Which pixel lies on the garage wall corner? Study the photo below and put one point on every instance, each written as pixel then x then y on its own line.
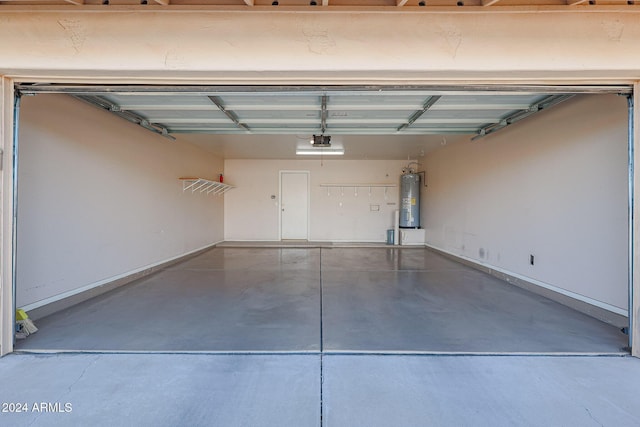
pixel 6 216
pixel 544 200
pixel 100 198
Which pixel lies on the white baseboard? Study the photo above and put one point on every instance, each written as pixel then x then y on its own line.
pixel 116 281
pixel 530 284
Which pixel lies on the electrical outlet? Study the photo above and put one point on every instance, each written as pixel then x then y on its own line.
pixel 374 208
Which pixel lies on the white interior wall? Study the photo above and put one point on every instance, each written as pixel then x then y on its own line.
pixel 6 217
pixel 553 185
pixel 100 197
pixel 335 215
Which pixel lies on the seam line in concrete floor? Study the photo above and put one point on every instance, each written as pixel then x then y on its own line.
pixel 321 344
pixel 337 353
pixel 468 354
pixel 196 352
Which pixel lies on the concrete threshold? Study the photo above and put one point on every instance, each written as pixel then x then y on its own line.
pixel 334 353
pixel 472 353
pixel 177 352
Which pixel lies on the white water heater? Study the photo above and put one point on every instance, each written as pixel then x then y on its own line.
pixel 410 200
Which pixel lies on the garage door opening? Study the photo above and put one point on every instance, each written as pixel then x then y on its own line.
pixel 524 218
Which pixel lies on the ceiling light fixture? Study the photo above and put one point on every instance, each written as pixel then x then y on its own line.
pixel 320 146
pixel 320 151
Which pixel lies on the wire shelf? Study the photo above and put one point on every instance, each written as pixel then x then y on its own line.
pixel 204 186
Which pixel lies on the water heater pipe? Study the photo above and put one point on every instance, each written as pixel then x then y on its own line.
pixel 396 227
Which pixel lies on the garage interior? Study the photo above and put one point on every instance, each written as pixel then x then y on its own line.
pixel 127 241
pixel 542 208
pixel 336 328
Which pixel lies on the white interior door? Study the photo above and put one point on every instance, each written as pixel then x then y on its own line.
pixel 294 205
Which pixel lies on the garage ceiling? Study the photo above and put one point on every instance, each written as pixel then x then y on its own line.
pixel 339 112
pixel 301 112
pixel 367 121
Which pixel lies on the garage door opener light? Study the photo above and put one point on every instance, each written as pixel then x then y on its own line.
pixel 320 146
pixel 320 151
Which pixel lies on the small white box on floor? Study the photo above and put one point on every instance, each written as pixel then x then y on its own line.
pixel 412 236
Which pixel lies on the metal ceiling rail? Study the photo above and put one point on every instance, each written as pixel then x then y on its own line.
pixel 548 102
pixel 232 116
pixel 334 131
pixel 97 89
pixel 127 115
pixel 415 116
pixel 313 107
pixel 323 114
pixel 362 122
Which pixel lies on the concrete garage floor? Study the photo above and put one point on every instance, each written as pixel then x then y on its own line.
pixel 334 299
pixel 332 320
pixel 162 390
pixel 286 390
